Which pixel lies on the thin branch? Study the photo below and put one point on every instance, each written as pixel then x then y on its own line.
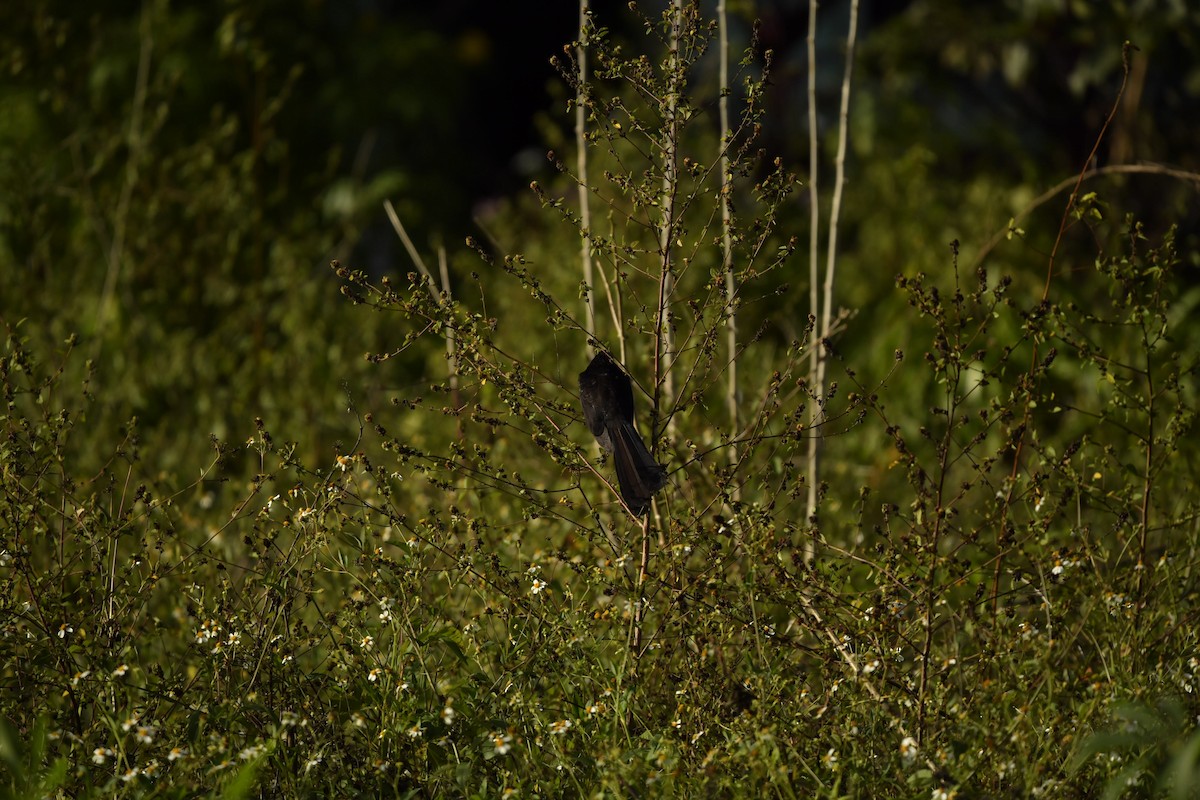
pixel 664 384
pixel 814 269
pixel 443 299
pixel 408 245
pixel 451 341
pixel 838 184
pixel 1067 183
pixel 1034 356
pixel 664 392
pixel 581 163
pixel 731 389
pixel 825 311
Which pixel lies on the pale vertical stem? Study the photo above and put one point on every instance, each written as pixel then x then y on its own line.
pixel 612 296
pixel 639 608
pixel 835 208
pixel 1147 481
pixel 451 337
pixel 731 390
pixel 664 384
pixel 444 299
pixel 400 230
pixel 581 163
pixel 664 355
pixel 814 270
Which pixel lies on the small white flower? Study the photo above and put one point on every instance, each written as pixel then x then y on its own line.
pixel 208 631
pixel 385 608
pixel 502 742
pixel 448 715
pixel 908 749
pixel 560 727
pixel 537 586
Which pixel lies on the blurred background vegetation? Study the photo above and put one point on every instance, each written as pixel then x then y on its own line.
pixel 174 179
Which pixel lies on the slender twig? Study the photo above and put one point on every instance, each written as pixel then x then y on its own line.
pixel 731 389
pixel 839 183
pixel 1034 356
pixel 443 299
pixel 664 386
pixel 940 510
pixel 451 336
pixel 639 605
pixel 409 247
pixel 822 308
pixel 814 268
pixel 581 166
pixel 1147 478
pixel 1073 181
pixel 664 391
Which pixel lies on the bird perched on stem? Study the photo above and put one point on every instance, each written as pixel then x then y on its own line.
pixel 606 394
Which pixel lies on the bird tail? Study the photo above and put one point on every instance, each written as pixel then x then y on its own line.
pixel 638 474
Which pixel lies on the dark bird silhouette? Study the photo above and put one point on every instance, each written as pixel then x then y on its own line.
pixel 606 394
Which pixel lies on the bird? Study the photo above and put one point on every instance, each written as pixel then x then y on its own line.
pixel 606 394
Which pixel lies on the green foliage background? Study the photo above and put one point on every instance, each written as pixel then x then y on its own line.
pixel 239 557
